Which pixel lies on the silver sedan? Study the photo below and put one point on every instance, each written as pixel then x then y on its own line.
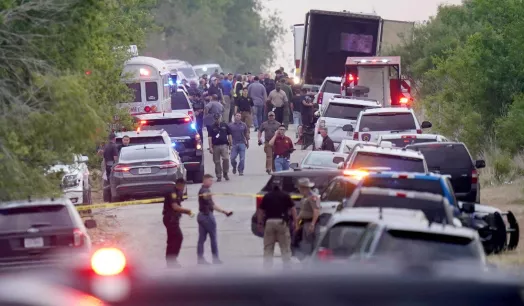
pixel 320 160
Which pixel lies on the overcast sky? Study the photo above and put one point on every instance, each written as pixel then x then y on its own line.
pixel 294 11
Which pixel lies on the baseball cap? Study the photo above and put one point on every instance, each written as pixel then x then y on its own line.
pixel 213 78
pixel 271 114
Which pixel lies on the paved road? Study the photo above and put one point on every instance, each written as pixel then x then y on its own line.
pixel 146 233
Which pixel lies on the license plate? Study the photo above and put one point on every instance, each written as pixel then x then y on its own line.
pixel 34 242
pixel 144 170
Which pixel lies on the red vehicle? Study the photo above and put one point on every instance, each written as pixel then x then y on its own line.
pixel 377 78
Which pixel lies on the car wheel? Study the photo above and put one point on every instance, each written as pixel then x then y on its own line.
pixel 198 176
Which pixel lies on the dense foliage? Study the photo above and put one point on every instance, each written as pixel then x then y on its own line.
pixel 49 107
pixel 469 73
pixel 229 32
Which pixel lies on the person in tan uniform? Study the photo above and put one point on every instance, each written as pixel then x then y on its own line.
pixel 275 213
pixel 306 227
pixel 269 128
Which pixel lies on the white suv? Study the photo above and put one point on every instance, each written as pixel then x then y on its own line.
pixel 402 140
pixel 329 88
pixel 396 159
pixel 372 123
pixel 339 112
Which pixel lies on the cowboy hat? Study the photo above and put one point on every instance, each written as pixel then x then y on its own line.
pixel 305 182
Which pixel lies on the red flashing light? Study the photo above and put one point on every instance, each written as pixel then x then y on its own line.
pixel 474 177
pixel 108 262
pixel 419 131
pixel 121 168
pixel 144 72
pixel 168 165
pixel 355 135
pixel 401 195
pixel 187 119
pixel 153 108
pixel 259 200
pixel 143 122
pixel 191 114
pixel 147 109
pixel 403 176
pixel 324 254
pixel 409 136
pixel 404 100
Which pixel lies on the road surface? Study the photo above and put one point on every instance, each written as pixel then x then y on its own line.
pixel 146 235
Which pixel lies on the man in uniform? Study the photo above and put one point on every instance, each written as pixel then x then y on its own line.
pixel 273 220
pixel 327 143
pixel 287 108
pixel 269 128
pixel 308 217
pixel 277 102
pixel 206 220
pixel 240 138
pixel 244 105
pixel 282 149
pixel 172 213
pixel 219 139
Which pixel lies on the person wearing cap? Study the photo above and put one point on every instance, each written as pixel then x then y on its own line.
pixel 110 154
pixel 207 225
pixel 220 141
pixel 269 128
pixel 306 227
pixel 275 213
pixel 282 149
pixel 277 102
pixel 172 212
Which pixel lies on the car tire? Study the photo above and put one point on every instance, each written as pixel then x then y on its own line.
pixel 198 176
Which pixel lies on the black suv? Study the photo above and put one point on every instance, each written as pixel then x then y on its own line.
pixel 453 158
pixel 184 137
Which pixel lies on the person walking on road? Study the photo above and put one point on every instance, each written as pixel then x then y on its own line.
pixel 282 149
pixel 212 108
pixel 327 143
pixel 244 105
pixel 172 213
pixel 274 215
pixel 207 225
pixel 219 138
pixel 257 92
pixel 240 137
pixel 306 228
pixel 269 128
pixel 110 154
pixel 277 101
pixel 227 87
pixel 287 109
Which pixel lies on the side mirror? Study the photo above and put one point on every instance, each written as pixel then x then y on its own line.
pixel 426 125
pixel 83 159
pixel 347 128
pixel 90 224
pixel 340 207
pixel 468 207
pixel 341 165
pixel 479 164
pixel 338 159
pixel 293 166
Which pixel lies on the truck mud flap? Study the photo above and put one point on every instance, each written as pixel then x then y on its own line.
pixel 513 230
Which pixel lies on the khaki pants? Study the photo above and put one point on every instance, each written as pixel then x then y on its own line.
pixel 269 156
pixel 276 231
pixel 221 152
pixel 247 118
pixel 227 109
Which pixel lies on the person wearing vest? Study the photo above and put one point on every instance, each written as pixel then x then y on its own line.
pixel 220 141
pixel 207 225
pixel 306 227
pixel 172 213
pixel 269 128
pixel 277 101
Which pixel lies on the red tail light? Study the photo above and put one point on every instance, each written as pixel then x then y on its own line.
pixel 191 114
pixel 401 195
pixel 408 136
pixel 355 135
pixel 320 97
pixel 168 164
pixel 403 176
pixel 147 109
pixel 419 131
pixel 324 254
pixel 78 238
pixel 108 262
pixel 404 101
pixel 121 168
pixel 474 177
pixel 259 200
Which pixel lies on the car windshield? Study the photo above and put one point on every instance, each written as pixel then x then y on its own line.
pixel 405 141
pixel 320 160
pixel 332 87
pixel 446 156
pixel 342 238
pixel 23 218
pixel 134 141
pixel 434 210
pixel 138 154
pixel 427 246
pixel 431 186
pixel 387 122
pixel 394 162
pixel 187 71
pixel 179 101
pixel 173 127
pixel 343 111
pixel 289 183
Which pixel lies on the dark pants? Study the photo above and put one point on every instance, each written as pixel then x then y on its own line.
pixel 279 114
pixel 231 109
pixel 174 239
pixel 207 225
pixel 108 171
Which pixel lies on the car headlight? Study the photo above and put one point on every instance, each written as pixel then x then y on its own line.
pixel 70 181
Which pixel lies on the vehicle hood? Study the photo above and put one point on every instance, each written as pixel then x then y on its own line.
pixel 66 169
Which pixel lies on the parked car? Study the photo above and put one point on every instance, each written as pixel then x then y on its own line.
pixel 320 160
pixel 75 182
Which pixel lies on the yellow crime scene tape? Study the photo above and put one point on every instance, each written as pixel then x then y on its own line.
pixel 160 200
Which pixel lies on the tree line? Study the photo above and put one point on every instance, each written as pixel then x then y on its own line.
pixel 60 69
pixel 469 74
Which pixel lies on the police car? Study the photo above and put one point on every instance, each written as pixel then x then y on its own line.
pixel 402 140
pixel 339 112
pixel 419 241
pixel 372 123
pixel 345 229
pixel 364 156
pixel 183 135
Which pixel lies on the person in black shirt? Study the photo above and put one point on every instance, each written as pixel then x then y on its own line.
pixel 125 143
pixel 244 105
pixel 219 138
pixel 327 143
pixel 110 154
pixel 206 220
pixel 172 213
pixel 273 219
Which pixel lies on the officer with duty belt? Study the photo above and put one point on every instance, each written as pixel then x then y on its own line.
pixel 274 214
pixel 269 128
pixel 172 213
pixel 306 228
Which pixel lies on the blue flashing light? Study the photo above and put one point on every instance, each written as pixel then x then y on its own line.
pixel 193 126
pixel 173 144
pixel 171 82
pixel 178 82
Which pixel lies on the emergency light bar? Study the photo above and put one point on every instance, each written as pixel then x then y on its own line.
pixel 365 61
